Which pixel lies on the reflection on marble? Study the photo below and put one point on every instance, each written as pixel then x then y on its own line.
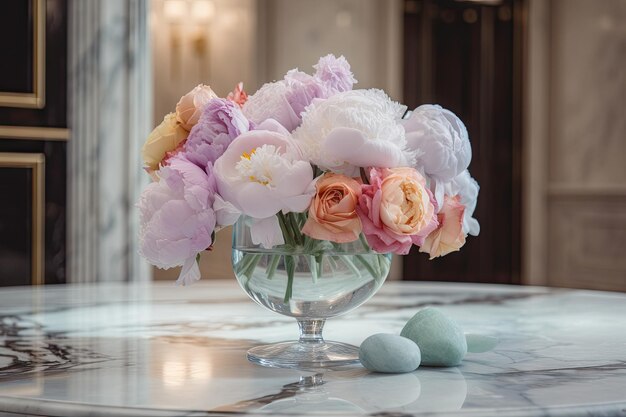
pixel 157 350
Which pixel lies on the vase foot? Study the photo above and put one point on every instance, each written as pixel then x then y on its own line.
pixel 304 355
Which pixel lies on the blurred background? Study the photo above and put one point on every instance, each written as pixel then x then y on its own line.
pixel 540 84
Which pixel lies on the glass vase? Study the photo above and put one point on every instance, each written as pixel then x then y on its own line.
pixel 311 281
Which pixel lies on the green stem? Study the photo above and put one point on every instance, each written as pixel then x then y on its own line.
pixel 252 266
pixel 296 229
pixel 313 267
pixel 333 262
pixel 346 260
pixel 290 266
pixel 319 259
pixel 364 177
pixel 243 264
pixel 271 267
pixel 364 242
pixel 284 227
pixel 375 274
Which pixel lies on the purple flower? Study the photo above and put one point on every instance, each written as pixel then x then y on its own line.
pixel 177 218
pixel 221 122
pixel 285 100
pixel 302 89
pixel 335 73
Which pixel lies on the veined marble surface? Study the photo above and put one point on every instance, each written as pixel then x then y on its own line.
pixel 160 350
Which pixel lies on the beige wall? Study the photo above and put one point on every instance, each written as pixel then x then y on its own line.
pixel 576 144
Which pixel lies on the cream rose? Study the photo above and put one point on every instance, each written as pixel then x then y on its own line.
pixel 191 105
pixel 406 205
pixel 332 214
pixel 164 138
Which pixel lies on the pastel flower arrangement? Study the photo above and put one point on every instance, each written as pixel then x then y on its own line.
pixel 306 158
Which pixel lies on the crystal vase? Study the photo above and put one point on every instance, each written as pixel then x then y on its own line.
pixel 311 281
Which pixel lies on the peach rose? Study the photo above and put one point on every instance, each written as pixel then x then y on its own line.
pixel 396 209
pixel 190 106
pixel 332 214
pixel 449 236
pixel 164 138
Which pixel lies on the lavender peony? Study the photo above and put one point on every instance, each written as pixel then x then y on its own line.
pixel 221 122
pixel 285 100
pixel 335 73
pixel 177 218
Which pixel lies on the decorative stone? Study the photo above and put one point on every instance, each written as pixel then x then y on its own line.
pixel 477 343
pixel 441 340
pixel 389 353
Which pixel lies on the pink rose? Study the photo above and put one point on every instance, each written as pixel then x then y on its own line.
pixel 396 209
pixel 448 236
pixel 332 214
pixel 191 105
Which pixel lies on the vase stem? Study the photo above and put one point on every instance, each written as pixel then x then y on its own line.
pixel 311 330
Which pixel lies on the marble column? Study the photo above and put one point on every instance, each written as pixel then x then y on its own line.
pixel 110 112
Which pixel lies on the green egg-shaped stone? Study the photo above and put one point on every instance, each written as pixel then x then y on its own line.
pixel 441 340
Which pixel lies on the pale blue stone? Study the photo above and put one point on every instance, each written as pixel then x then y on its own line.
pixel 389 353
pixel 477 343
pixel 441 340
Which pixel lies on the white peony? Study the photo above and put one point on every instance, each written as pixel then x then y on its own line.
pixel 441 141
pixel 354 129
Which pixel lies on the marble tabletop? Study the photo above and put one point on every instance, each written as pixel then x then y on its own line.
pixel 160 350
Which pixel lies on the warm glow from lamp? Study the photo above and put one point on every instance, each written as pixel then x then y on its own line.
pixel 175 10
pixel 202 10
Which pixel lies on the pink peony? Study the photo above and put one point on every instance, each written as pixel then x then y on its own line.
pixel 448 236
pixel 396 209
pixel 262 173
pixel 177 218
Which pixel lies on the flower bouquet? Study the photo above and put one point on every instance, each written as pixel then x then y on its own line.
pixel 323 183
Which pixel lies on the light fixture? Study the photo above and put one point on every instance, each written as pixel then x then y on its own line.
pixel 202 11
pixel 175 10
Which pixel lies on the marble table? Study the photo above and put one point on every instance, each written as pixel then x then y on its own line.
pixel 160 350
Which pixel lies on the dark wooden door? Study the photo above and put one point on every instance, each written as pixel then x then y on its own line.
pixel 467 57
pixel 33 135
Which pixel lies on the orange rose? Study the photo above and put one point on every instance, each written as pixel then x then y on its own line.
pixel 449 236
pixel 190 106
pixel 332 214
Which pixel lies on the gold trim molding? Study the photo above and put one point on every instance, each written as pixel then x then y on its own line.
pixel 36 162
pixel 36 99
pixel 34 133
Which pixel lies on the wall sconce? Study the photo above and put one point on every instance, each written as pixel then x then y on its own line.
pixel 189 18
